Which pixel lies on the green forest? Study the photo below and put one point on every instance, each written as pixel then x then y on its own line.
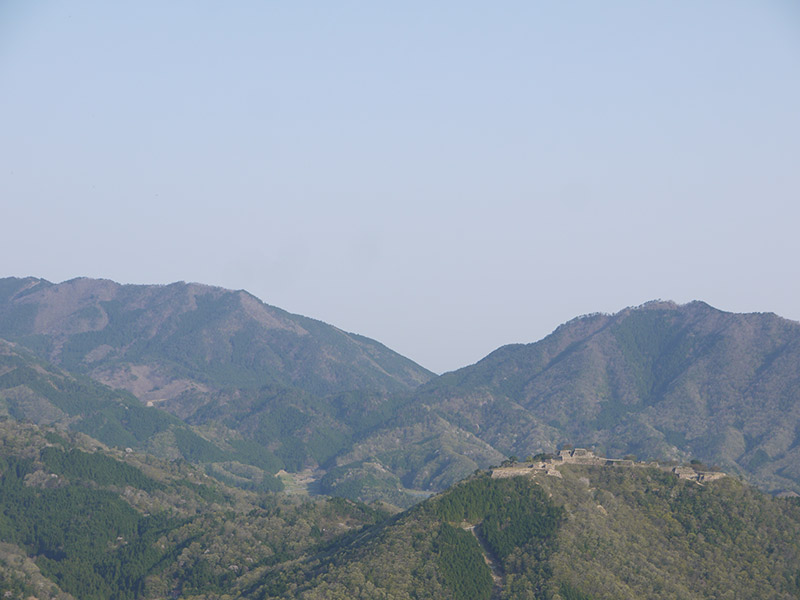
pixel 98 523
pixel 257 454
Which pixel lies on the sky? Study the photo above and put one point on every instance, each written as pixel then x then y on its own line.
pixel 444 177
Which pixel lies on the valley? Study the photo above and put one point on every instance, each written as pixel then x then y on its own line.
pixel 233 449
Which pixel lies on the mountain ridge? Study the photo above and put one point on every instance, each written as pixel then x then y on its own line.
pixel 666 369
pixel 660 380
pixel 91 323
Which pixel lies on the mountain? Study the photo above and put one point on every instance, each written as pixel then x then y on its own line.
pixel 591 533
pixel 80 520
pixel 164 341
pixel 280 390
pixel 660 381
pixel 104 497
pixel 33 391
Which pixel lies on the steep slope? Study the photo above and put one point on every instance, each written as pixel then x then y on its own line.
pixel 282 390
pixel 661 380
pixel 160 342
pixel 80 521
pixel 594 533
pixel 34 391
pixel 658 381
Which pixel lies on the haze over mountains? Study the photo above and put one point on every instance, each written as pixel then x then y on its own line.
pixel 659 381
pixel 270 390
pixel 162 341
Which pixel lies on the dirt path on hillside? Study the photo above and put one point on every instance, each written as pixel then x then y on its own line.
pixel 491 560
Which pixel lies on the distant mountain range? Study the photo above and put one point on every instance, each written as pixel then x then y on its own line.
pixel 161 342
pixel 273 390
pixel 659 381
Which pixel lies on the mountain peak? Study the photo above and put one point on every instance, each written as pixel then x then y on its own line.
pixel 196 329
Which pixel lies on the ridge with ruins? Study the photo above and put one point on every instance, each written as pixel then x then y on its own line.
pixel 549 465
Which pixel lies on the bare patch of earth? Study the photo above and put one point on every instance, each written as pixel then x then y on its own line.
pixel 147 384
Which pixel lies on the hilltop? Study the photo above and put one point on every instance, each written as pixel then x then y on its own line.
pixel 167 342
pixel 81 520
pixel 549 464
pixel 594 533
pixel 217 393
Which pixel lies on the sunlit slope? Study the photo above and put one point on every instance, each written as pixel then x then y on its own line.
pixel 161 341
pixel 276 389
pixel 658 381
pixel 34 391
pixel 81 521
pixel 594 533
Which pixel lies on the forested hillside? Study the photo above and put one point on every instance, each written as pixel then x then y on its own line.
pixel 661 381
pixel 172 344
pixel 82 521
pixel 265 390
pixel 271 390
pixel 33 391
pixel 593 534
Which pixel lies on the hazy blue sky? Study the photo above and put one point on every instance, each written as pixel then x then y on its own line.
pixel 445 177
